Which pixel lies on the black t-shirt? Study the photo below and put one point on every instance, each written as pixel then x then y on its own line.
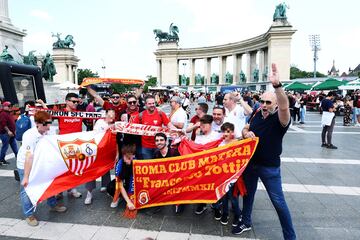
pixel 270 133
pixel 126 175
pixel 130 138
pixel 172 152
pixel 326 104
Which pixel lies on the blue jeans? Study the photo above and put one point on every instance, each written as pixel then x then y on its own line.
pixel 271 178
pixel 234 203
pixel 147 153
pixel 27 207
pixel 6 141
pixel 302 114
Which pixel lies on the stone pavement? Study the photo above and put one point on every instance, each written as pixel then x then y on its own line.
pixel 322 189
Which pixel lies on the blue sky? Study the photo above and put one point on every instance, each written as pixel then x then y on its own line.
pixel 119 33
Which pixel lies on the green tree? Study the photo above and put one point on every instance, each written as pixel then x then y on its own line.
pixel 295 72
pixel 84 73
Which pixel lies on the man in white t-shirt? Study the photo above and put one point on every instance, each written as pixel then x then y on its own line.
pixel 206 134
pixel 234 113
pixel 218 116
pixel 24 164
pixel 178 116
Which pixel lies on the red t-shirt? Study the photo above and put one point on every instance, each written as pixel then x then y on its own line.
pixel 117 108
pixel 194 120
pixel 69 125
pixel 157 118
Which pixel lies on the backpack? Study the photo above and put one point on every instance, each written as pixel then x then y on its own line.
pixel 22 125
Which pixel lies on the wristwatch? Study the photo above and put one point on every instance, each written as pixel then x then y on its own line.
pixel 277 86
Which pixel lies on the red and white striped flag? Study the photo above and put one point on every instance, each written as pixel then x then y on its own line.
pixel 65 161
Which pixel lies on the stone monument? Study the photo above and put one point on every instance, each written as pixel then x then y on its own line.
pixel 64 58
pixel 10 35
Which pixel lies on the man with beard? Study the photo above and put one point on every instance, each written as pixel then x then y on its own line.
pixel 115 103
pixel 131 115
pixel 163 151
pixel 270 124
pixel 153 117
pixel 218 119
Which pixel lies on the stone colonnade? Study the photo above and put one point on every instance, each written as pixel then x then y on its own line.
pixel 66 64
pixel 256 54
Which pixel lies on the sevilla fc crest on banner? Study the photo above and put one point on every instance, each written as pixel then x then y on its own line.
pixel 78 155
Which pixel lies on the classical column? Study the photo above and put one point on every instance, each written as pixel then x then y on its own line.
pixel 279 49
pixel 158 72
pixel 261 64
pixel 248 68
pixel 252 65
pixel 192 71
pixel 207 70
pixel 76 75
pixel 69 73
pixel 222 69
pixel 236 68
pixel 4 12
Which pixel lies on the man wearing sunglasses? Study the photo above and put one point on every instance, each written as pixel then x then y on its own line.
pixel 270 124
pixel 24 164
pixel 115 103
pixel 71 125
pixel 131 115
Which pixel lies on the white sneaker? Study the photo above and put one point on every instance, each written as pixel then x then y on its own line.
pixel 75 193
pixel 88 198
pixel 103 189
pixel 114 204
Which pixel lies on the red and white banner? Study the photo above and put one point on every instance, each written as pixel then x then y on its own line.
pixel 141 129
pixel 65 161
pixel 67 114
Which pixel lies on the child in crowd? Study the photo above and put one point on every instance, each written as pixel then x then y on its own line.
pixel 124 177
pixel 227 130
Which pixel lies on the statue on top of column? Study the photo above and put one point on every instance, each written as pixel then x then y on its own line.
pixel 6 56
pixel 171 36
pixel 280 12
pixel 48 69
pixel 69 40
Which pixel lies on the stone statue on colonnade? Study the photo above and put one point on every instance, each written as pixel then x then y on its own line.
pixel 171 36
pixel 69 40
pixel 280 12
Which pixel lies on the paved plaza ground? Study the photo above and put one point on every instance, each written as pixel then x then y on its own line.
pixel 322 189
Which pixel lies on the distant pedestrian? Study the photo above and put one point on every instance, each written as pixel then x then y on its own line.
pixel 328 121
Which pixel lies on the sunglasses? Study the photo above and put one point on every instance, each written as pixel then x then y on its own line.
pixel 74 101
pixel 159 140
pixel 219 106
pixel 132 102
pixel 267 102
pixel 46 123
pixel 116 97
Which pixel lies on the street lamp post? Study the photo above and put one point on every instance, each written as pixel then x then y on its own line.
pixel 315 47
pixel 103 67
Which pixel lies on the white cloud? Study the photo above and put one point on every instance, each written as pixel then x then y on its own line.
pixel 43 15
pixel 39 41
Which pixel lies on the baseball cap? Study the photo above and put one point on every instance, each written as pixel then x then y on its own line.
pixel 6 104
